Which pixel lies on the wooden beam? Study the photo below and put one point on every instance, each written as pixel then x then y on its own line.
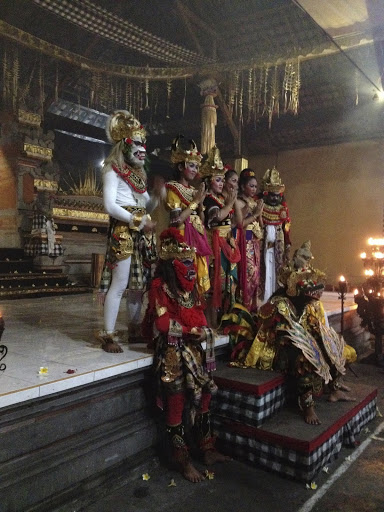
pixel 198 21
pixel 189 27
pixel 232 126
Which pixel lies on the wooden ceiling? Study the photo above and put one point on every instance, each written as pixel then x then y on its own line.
pixel 340 48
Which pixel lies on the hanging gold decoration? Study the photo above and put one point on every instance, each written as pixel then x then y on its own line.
pixel 291 86
pixel 169 91
pixel 208 89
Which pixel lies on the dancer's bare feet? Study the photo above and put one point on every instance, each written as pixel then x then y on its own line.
pixel 344 387
pixel 213 456
pixel 310 416
pixel 109 342
pixel 338 395
pixel 112 347
pixel 189 472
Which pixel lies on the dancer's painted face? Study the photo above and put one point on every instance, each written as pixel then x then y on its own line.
pixel 217 184
pixel 232 183
pixel 135 151
pixel 189 170
pixel 250 188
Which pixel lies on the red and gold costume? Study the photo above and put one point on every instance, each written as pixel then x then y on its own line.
pixel 226 254
pixel 179 197
pixel 276 233
pixel 181 366
pixel 294 336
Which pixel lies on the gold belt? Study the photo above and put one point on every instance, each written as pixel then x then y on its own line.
pixel 223 230
pixel 135 209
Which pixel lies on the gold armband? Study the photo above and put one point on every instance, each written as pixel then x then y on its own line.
pixel 193 206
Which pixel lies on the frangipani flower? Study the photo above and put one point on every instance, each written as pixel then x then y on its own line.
pixel 43 370
pixel 312 486
pixel 172 483
pixel 146 477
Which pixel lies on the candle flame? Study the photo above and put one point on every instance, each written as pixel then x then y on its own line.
pixel 342 279
pixel 363 255
pixel 375 241
pixel 355 291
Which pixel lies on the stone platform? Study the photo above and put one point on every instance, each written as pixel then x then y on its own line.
pixel 283 442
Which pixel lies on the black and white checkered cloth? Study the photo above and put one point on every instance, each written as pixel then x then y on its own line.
pixel 247 408
pixel 288 461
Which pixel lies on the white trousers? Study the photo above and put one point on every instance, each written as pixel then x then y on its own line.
pixel 120 276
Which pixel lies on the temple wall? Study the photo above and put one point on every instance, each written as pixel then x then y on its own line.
pixel 9 219
pixel 335 198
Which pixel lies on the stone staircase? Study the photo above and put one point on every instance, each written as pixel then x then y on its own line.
pixel 19 279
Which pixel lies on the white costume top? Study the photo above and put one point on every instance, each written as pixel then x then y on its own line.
pixel 117 193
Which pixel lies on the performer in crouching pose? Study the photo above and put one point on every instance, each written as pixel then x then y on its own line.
pixel 181 366
pixel 294 336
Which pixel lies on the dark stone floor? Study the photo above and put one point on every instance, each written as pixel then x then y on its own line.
pixel 239 487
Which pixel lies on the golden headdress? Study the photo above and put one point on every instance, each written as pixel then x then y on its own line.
pixel 271 181
pixel 123 125
pixel 180 155
pixel 300 277
pixel 173 246
pixel 213 165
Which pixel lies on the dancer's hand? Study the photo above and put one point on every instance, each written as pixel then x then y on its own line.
pixel 200 194
pixel 231 198
pixel 198 335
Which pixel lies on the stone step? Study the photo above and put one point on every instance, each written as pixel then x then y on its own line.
pixel 23 293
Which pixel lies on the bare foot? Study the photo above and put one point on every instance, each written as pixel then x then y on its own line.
pixel 310 416
pixel 109 342
pixel 339 396
pixel 189 472
pixel 112 347
pixel 344 387
pixel 213 456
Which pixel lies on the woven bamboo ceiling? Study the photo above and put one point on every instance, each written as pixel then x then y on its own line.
pixel 290 73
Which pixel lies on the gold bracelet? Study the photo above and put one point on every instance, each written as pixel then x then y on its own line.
pixel 193 206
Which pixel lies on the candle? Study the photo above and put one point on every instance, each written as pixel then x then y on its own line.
pixel 342 285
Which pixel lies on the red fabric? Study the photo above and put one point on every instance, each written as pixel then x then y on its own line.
pixel 242 265
pixel 205 402
pixel 186 317
pixel 232 254
pixel 174 410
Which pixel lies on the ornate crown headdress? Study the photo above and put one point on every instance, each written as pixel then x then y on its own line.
pixel 123 125
pixel 271 181
pixel 173 246
pixel 300 277
pixel 213 165
pixel 180 155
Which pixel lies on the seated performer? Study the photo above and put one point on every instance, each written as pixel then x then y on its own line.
pixel 130 232
pixel 294 336
pixel 181 366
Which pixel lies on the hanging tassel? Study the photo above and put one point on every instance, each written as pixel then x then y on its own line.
pixel 146 94
pixel 185 95
pixel 208 114
pixel 169 90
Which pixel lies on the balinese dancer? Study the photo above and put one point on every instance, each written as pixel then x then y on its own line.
pixel 185 204
pixel 130 233
pixel 294 336
pixel 221 214
pixel 181 366
pixel 249 241
pixel 276 231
